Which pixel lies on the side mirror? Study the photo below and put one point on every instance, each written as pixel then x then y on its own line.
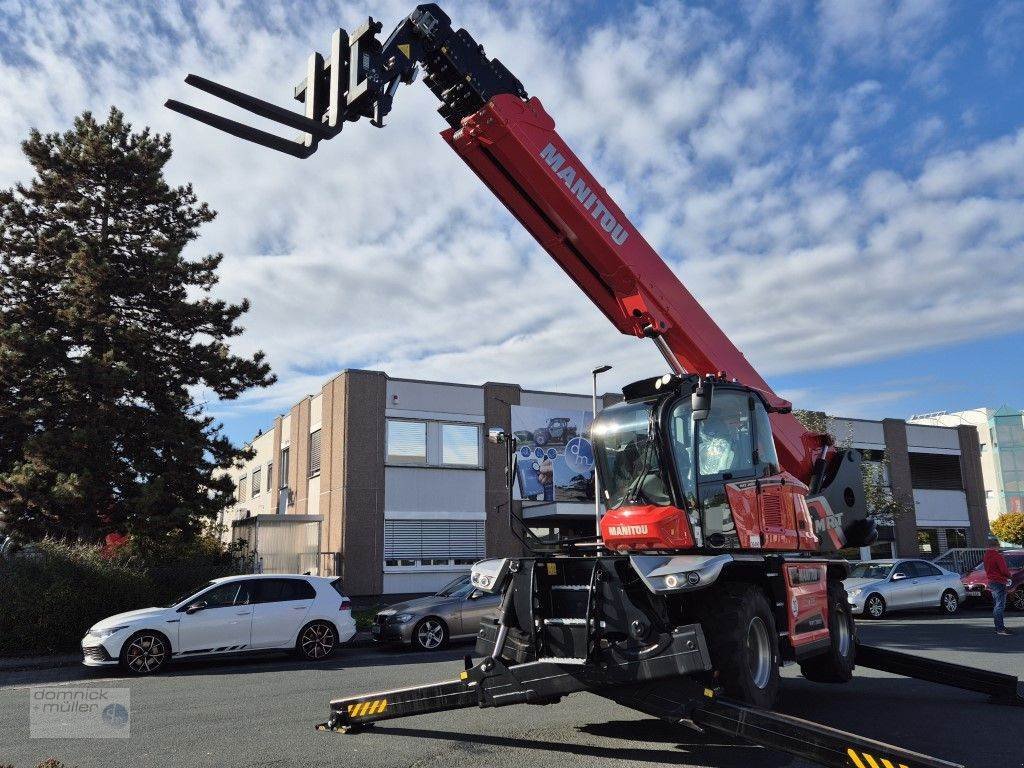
pixel 700 400
pixel 496 435
pixel 899 575
pixel 195 607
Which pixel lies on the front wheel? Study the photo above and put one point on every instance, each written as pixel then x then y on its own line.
pixel 430 634
pixel 835 665
pixel 145 653
pixel 874 607
pixel 744 644
pixel 950 602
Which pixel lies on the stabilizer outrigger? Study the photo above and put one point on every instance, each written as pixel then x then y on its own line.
pixel 493 683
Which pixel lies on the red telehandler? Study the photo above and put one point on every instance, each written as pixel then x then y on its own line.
pixel 712 567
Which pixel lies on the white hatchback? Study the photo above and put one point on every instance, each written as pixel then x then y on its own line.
pixel 236 614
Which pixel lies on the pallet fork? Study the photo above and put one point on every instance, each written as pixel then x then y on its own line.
pixel 492 683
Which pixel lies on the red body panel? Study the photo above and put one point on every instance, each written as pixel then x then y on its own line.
pixel 514 149
pixel 771 513
pixel 633 529
pixel 806 602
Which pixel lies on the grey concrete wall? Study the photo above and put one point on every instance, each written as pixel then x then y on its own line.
pixel 974 484
pixel 498 399
pixel 354 505
pixel 895 433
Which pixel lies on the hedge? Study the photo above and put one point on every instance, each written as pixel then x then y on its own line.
pixel 52 592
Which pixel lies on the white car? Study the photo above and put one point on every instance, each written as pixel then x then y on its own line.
pixel 308 614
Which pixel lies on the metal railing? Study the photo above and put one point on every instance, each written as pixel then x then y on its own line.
pixel 960 560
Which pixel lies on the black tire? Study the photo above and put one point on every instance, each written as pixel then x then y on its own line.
pixel 835 666
pixel 317 641
pixel 430 634
pixel 145 653
pixel 949 604
pixel 874 606
pixel 744 644
pixel 541 437
pixel 1016 599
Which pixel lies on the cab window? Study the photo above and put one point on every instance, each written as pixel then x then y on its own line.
pixel 725 438
pixel 234 593
pixel 766 454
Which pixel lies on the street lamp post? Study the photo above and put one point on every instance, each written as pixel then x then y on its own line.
pixel 597 483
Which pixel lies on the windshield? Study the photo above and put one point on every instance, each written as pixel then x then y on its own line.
pixel 453 588
pixel 628 457
pixel 870 570
pixel 187 595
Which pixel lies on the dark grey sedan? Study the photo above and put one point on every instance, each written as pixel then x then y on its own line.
pixel 429 622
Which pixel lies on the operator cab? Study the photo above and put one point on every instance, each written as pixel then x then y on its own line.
pixel 682 469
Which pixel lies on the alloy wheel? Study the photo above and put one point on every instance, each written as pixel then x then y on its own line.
pixel 950 602
pixel 145 654
pixel 1017 599
pixel 876 607
pixel 430 634
pixel 842 630
pixel 317 641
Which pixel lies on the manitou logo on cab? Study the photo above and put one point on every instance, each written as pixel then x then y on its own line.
pixel 628 530
pixel 579 187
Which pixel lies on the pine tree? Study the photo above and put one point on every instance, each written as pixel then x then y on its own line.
pixel 106 334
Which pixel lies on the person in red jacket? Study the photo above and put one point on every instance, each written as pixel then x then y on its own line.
pixel 998 574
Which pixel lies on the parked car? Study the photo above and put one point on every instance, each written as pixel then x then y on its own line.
pixel 976 582
pixel 876 587
pixel 558 430
pixel 428 623
pixel 236 614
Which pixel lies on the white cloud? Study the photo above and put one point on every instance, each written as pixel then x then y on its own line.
pixel 384 251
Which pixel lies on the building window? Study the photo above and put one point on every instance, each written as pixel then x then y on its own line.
pixel 283 482
pixel 241 487
pixel 257 481
pixel 407 442
pixel 956 538
pixel 990 495
pixel 314 453
pixel 928 542
pixel 460 444
pixel 433 543
pixel 935 471
pixel 270 473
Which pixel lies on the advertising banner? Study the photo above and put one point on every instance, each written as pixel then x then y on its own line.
pixel 555 461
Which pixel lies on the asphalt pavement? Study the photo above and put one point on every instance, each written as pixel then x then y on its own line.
pixel 262 712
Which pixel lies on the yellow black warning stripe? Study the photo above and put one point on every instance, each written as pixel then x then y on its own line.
pixel 371 707
pixel 869 762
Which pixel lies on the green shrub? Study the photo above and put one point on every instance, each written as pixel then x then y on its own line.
pixel 52 592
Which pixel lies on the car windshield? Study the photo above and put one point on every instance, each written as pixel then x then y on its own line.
pixel 1015 561
pixel 870 570
pixel 182 598
pixel 628 457
pixel 454 588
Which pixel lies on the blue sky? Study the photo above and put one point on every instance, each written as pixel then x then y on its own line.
pixel 840 183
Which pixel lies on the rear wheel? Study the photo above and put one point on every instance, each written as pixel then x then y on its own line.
pixel 1016 599
pixel 317 641
pixel 836 665
pixel 744 645
pixel 950 603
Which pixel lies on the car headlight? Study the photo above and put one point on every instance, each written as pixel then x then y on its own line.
pixel 854 592
pixel 103 634
pixel 401 618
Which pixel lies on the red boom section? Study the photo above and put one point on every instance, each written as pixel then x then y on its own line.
pixel 514 149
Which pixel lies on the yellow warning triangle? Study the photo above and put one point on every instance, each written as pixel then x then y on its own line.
pixel 404 48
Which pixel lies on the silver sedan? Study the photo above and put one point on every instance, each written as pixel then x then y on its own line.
pixel 428 623
pixel 876 587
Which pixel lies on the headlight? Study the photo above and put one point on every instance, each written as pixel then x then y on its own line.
pixel 401 618
pixel 102 634
pixel 854 592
